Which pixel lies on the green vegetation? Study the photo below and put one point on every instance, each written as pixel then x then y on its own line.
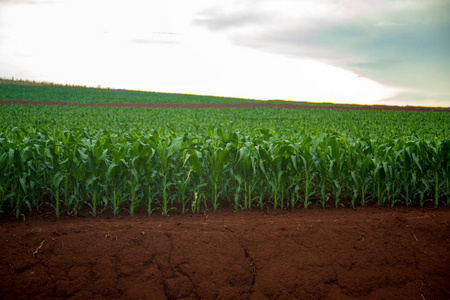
pixel 77 94
pixel 47 91
pixel 123 159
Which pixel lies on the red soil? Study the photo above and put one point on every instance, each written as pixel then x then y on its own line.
pixel 278 104
pixel 367 253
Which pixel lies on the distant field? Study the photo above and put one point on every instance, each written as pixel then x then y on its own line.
pixel 93 95
pixel 35 91
pixel 283 123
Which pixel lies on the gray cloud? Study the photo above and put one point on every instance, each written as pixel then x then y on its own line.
pixel 403 44
pixel 282 29
pixel 410 49
pixel 219 20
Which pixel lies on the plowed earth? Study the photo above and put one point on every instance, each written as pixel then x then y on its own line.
pixel 367 253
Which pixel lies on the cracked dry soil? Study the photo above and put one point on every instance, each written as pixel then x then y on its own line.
pixel 367 253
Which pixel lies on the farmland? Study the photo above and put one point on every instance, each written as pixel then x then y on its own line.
pixel 73 160
pixel 123 159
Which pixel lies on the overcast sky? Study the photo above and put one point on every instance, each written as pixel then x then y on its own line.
pixel 348 51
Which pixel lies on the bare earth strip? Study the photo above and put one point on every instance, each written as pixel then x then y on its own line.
pixel 279 104
pixel 367 253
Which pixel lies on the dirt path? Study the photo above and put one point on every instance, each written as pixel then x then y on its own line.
pixel 278 104
pixel 367 253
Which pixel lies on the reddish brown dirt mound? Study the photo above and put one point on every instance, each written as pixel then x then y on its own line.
pixel 278 104
pixel 368 253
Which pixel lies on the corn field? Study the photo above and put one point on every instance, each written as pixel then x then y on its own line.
pixel 121 160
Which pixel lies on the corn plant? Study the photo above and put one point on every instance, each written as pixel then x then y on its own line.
pixel 194 157
pixel 379 178
pixel 446 168
pixel 391 166
pixel 166 152
pixel 407 171
pixel 322 165
pixel 436 153
pixel 362 169
pixel 148 177
pixel 215 155
pixel 136 168
pixel 39 174
pixel 4 184
pixel 20 185
pixel 303 164
pixel 75 173
pixel 420 158
pixel 115 177
pixel 181 183
pixel 273 162
pixel 337 168
pixel 93 152
pixel 245 170
pixel 55 191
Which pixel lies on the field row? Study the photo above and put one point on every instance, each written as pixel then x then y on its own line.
pixel 282 123
pixel 35 91
pixel 124 158
pixel 93 95
pixel 69 169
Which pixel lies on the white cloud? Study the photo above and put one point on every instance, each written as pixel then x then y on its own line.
pixel 254 49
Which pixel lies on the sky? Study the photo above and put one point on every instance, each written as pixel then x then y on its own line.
pixel 393 52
